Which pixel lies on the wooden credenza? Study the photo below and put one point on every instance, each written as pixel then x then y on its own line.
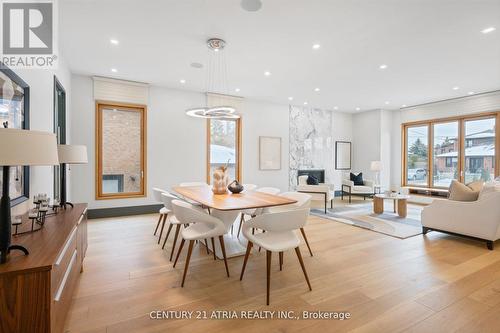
pixel 36 290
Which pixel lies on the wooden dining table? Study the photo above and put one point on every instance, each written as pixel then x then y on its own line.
pixel 231 202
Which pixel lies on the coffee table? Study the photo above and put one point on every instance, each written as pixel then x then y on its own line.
pixel 399 201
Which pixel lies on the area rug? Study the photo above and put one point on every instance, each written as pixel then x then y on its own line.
pixel 389 223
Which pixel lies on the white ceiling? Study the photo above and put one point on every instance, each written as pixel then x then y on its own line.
pixel 429 47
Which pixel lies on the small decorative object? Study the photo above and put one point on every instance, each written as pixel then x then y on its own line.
pixel 220 180
pixel 235 187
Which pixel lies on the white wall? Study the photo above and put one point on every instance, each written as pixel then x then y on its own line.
pixel 451 108
pixel 342 131
pixel 176 144
pixel 41 82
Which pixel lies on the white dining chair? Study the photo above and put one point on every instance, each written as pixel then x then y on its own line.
pixel 167 199
pixel 303 201
pixel 201 226
pixel 279 237
pixel 157 192
pixel 255 212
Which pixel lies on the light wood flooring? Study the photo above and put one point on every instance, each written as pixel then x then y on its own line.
pixel 436 283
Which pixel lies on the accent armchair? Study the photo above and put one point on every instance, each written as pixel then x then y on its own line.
pixel 365 190
pixel 478 219
pixel 323 192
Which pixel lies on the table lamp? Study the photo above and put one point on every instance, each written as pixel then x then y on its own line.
pixel 69 154
pixel 376 166
pixel 20 148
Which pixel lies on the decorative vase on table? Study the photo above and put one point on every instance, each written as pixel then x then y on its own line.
pixel 220 180
pixel 235 187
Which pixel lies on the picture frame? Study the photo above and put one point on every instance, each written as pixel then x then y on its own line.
pixel 343 155
pixel 15 111
pixel 269 153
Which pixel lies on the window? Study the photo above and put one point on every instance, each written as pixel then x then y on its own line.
pixel 120 139
pixel 223 147
pixel 417 155
pixel 480 149
pixel 463 148
pixel 445 154
pixel 59 129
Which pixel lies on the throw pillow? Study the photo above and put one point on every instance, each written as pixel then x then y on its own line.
pixel 357 179
pixel 462 192
pixel 311 180
pixel 489 187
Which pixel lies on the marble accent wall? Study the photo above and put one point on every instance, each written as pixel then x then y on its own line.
pixel 311 142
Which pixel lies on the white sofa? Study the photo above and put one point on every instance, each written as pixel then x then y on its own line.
pixel 478 219
pixel 365 190
pixel 322 192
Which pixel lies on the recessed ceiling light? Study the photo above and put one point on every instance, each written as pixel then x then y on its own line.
pixel 335 107
pixel 290 98
pixel 387 103
pixel 357 109
pixel 114 41
pixel 383 66
pixel 305 103
pixel 267 73
pixel 456 88
pixel 403 106
pixel 488 30
pixel 114 70
pixel 182 81
pixel 316 46
pixel 237 89
pixel 471 93
pixel 316 89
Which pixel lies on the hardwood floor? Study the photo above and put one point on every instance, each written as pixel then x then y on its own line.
pixel 433 283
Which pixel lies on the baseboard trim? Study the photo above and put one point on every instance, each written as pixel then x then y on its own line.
pixel 99 213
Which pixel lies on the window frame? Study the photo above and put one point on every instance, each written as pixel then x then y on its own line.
pixel 238 172
pixel 142 109
pixel 462 145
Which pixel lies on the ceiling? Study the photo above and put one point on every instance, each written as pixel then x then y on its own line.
pixel 429 47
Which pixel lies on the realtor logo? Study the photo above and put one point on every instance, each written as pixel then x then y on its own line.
pixel 28 34
pixel 27 28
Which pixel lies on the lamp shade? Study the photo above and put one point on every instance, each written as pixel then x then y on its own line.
pixel 24 147
pixel 376 166
pixel 72 154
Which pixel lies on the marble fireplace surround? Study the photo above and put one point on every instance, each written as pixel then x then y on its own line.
pixel 311 142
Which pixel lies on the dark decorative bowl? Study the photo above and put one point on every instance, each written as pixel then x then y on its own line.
pixel 235 187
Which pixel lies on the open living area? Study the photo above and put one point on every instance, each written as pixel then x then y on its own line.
pixel 250 165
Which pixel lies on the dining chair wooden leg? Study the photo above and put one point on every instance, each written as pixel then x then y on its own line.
pixel 206 245
pixel 190 250
pixel 162 226
pixel 305 238
pixel 268 262
pixel 247 254
pixel 166 237
pixel 222 247
pixel 242 219
pixel 297 250
pixel 177 228
pixel 158 224
pixel 179 252
pixel 281 260
pixel 213 248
